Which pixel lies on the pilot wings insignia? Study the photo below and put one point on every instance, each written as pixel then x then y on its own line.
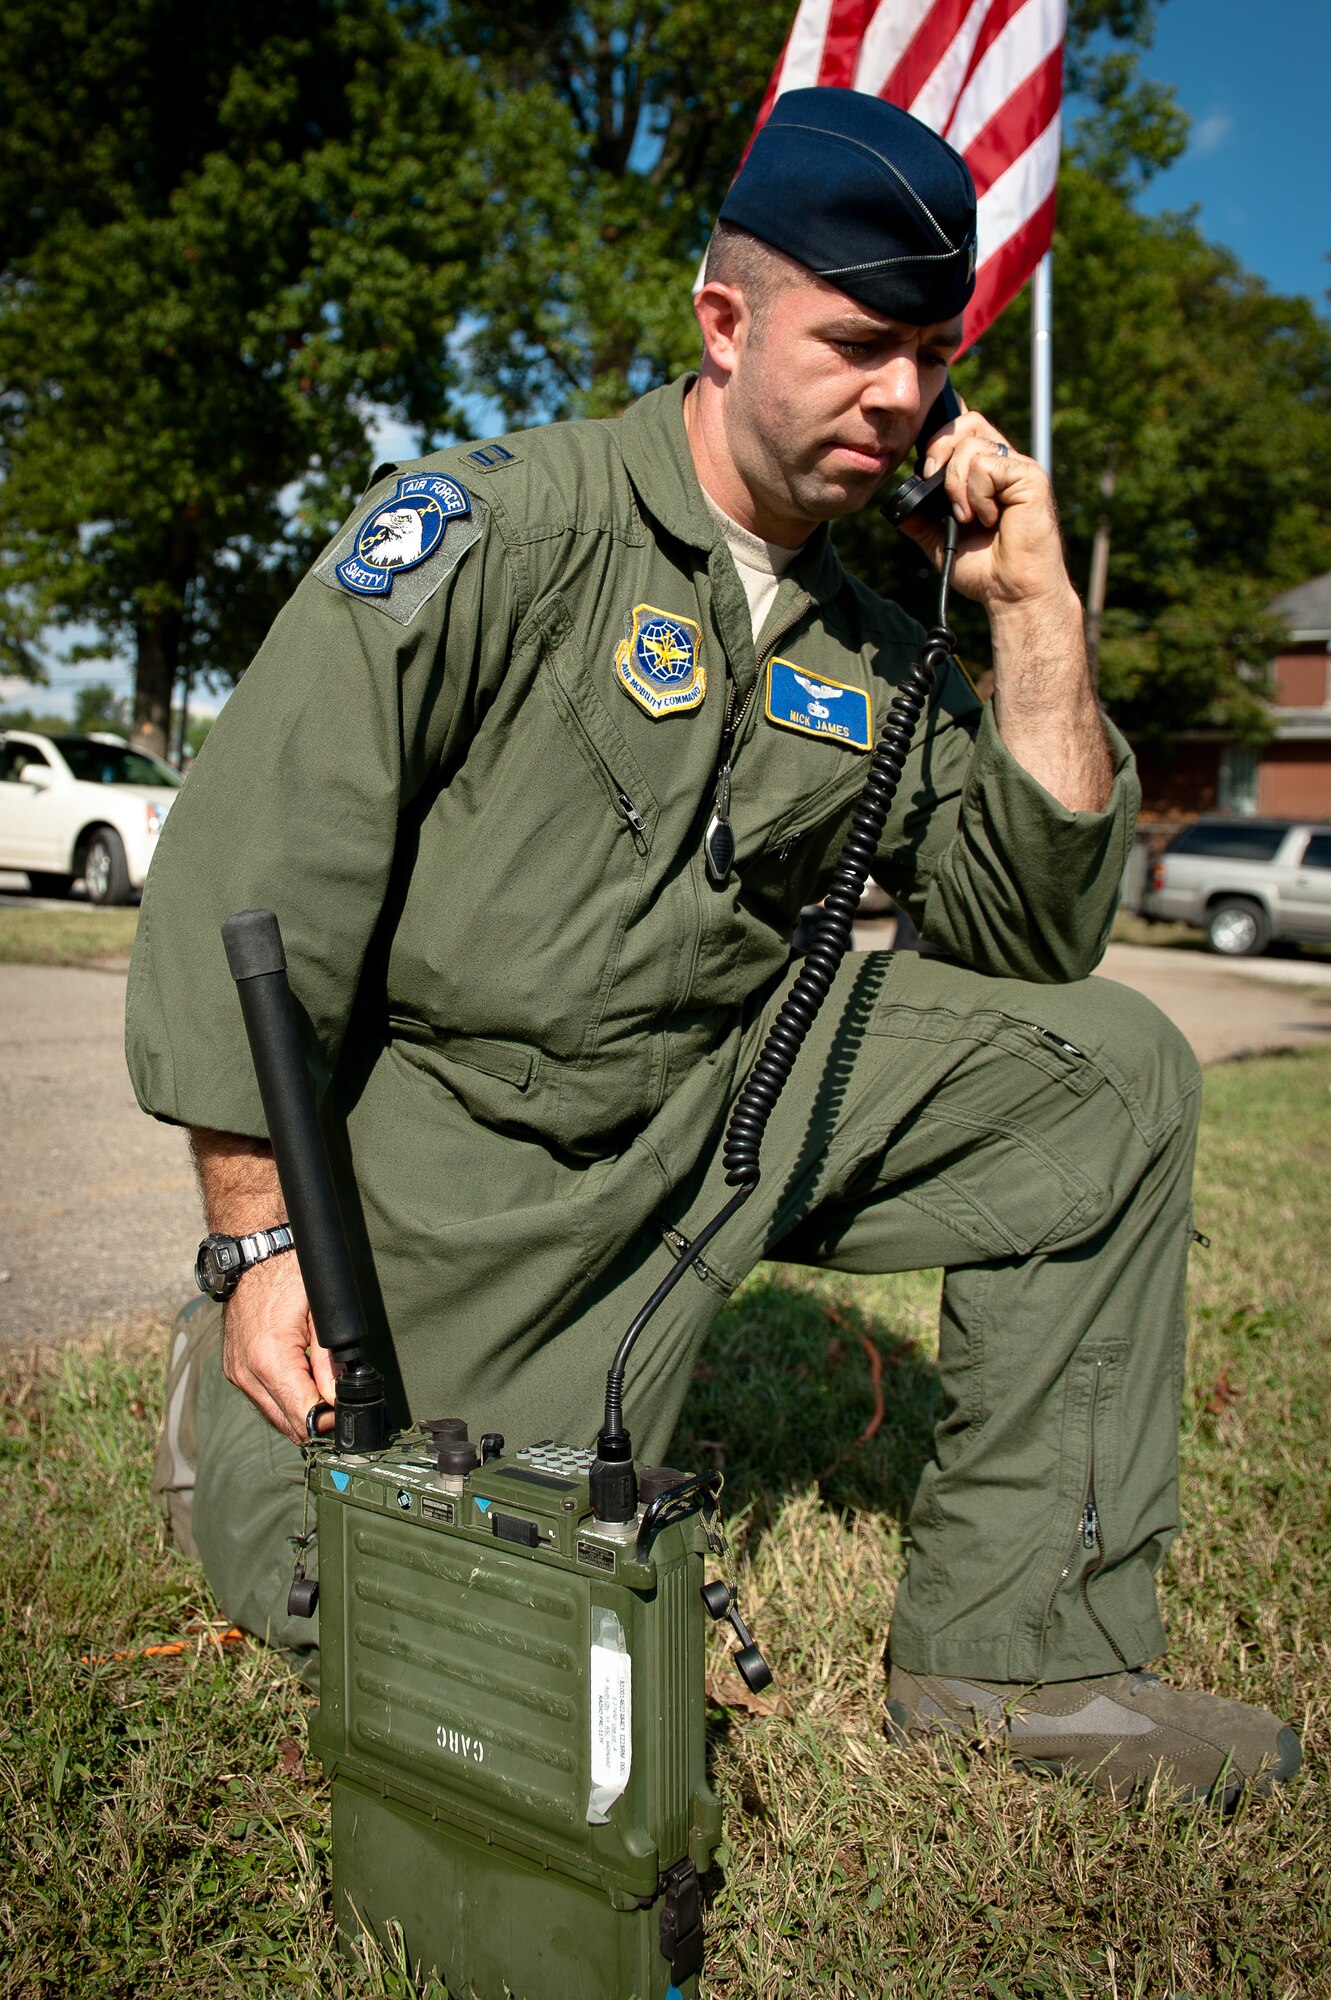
pixel 795 700
pixel 820 692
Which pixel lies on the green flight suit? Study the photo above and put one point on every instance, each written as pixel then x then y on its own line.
pixel 531 1011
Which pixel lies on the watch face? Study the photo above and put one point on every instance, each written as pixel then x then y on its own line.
pixel 218 1266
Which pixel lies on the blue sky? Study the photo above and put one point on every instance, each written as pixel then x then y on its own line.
pixel 1257 85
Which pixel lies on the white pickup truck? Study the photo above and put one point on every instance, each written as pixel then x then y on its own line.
pixel 87 806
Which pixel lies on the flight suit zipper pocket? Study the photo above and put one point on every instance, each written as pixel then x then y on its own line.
pixel 637 824
pixel 1051 1052
pixel 1089 1540
pixel 677 1243
pixel 1092 1539
pixel 1048 1035
pixel 604 749
pixel 432 1050
pixel 635 816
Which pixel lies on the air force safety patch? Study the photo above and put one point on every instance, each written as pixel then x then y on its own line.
pixel 799 700
pixel 402 532
pixel 657 663
pixel 396 557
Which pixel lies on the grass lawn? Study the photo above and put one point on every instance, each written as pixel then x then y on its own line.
pixel 79 935
pixel 163 1830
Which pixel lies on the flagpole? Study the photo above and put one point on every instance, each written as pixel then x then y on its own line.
pixel 1042 363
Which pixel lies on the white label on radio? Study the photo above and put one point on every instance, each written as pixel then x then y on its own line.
pixel 611 1681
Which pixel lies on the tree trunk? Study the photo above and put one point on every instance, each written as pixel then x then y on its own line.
pixel 154 682
pixel 160 640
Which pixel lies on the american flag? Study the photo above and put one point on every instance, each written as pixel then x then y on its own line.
pixel 985 74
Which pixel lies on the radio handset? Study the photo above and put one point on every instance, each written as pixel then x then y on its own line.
pixel 920 495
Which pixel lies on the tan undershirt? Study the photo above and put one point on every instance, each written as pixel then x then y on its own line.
pixel 761 565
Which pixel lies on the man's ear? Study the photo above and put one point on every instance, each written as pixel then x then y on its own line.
pixel 724 319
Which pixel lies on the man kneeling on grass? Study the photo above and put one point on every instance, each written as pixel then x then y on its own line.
pixel 476 784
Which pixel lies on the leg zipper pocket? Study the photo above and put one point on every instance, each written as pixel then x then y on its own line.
pixel 677 1243
pixel 1090 1536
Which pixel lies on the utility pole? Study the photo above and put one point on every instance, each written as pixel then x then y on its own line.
pixel 1095 594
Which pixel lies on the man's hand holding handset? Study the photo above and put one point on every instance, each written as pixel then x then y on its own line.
pixel 1010 559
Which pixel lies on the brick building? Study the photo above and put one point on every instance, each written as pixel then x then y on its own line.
pixel 1290 776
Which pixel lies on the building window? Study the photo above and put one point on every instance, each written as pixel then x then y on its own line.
pixel 1238 779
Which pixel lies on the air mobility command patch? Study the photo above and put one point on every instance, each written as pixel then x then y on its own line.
pixel 401 535
pixel 657 663
pixel 800 700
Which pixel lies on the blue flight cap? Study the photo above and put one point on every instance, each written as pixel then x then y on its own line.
pixel 866 197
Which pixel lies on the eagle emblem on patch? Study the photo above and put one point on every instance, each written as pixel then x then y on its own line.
pixel 402 532
pixel 797 699
pixel 657 663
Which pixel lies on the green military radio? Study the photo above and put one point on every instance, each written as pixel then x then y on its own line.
pixel 512 1641
pixel 510 1715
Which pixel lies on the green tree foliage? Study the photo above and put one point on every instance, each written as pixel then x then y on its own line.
pixel 614 132
pixel 225 234
pixel 98 706
pixel 1132 127
pixel 196 734
pixel 222 230
pixel 34 718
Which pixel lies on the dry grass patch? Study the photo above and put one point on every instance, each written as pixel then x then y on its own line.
pixel 79 935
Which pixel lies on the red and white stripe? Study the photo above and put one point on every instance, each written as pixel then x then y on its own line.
pixel 987 75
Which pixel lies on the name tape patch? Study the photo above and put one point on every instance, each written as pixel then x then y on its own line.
pixel 799 700
pixel 657 663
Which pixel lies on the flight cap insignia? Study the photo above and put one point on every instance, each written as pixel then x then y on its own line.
pixel 797 699
pixel 402 532
pixel 657 663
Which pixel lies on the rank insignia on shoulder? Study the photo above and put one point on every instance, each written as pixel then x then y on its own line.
pixel 800 700
pixel 489 457
pixel 657 662
pixel 402 532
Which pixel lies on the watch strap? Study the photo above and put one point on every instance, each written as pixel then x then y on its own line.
pixel 261 1244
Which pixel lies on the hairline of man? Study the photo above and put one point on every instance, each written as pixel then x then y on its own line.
pixel 735 257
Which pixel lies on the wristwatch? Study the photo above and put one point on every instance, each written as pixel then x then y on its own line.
pixel 223 1260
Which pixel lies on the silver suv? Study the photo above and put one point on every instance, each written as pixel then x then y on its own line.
pixel 1246 882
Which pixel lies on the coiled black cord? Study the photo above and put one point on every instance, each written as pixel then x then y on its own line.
pixel 776 1059
pixel 755 1103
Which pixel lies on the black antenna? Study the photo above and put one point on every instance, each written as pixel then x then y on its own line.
pixel 254 952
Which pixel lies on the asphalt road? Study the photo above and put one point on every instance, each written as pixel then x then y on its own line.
pixel 99 1217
